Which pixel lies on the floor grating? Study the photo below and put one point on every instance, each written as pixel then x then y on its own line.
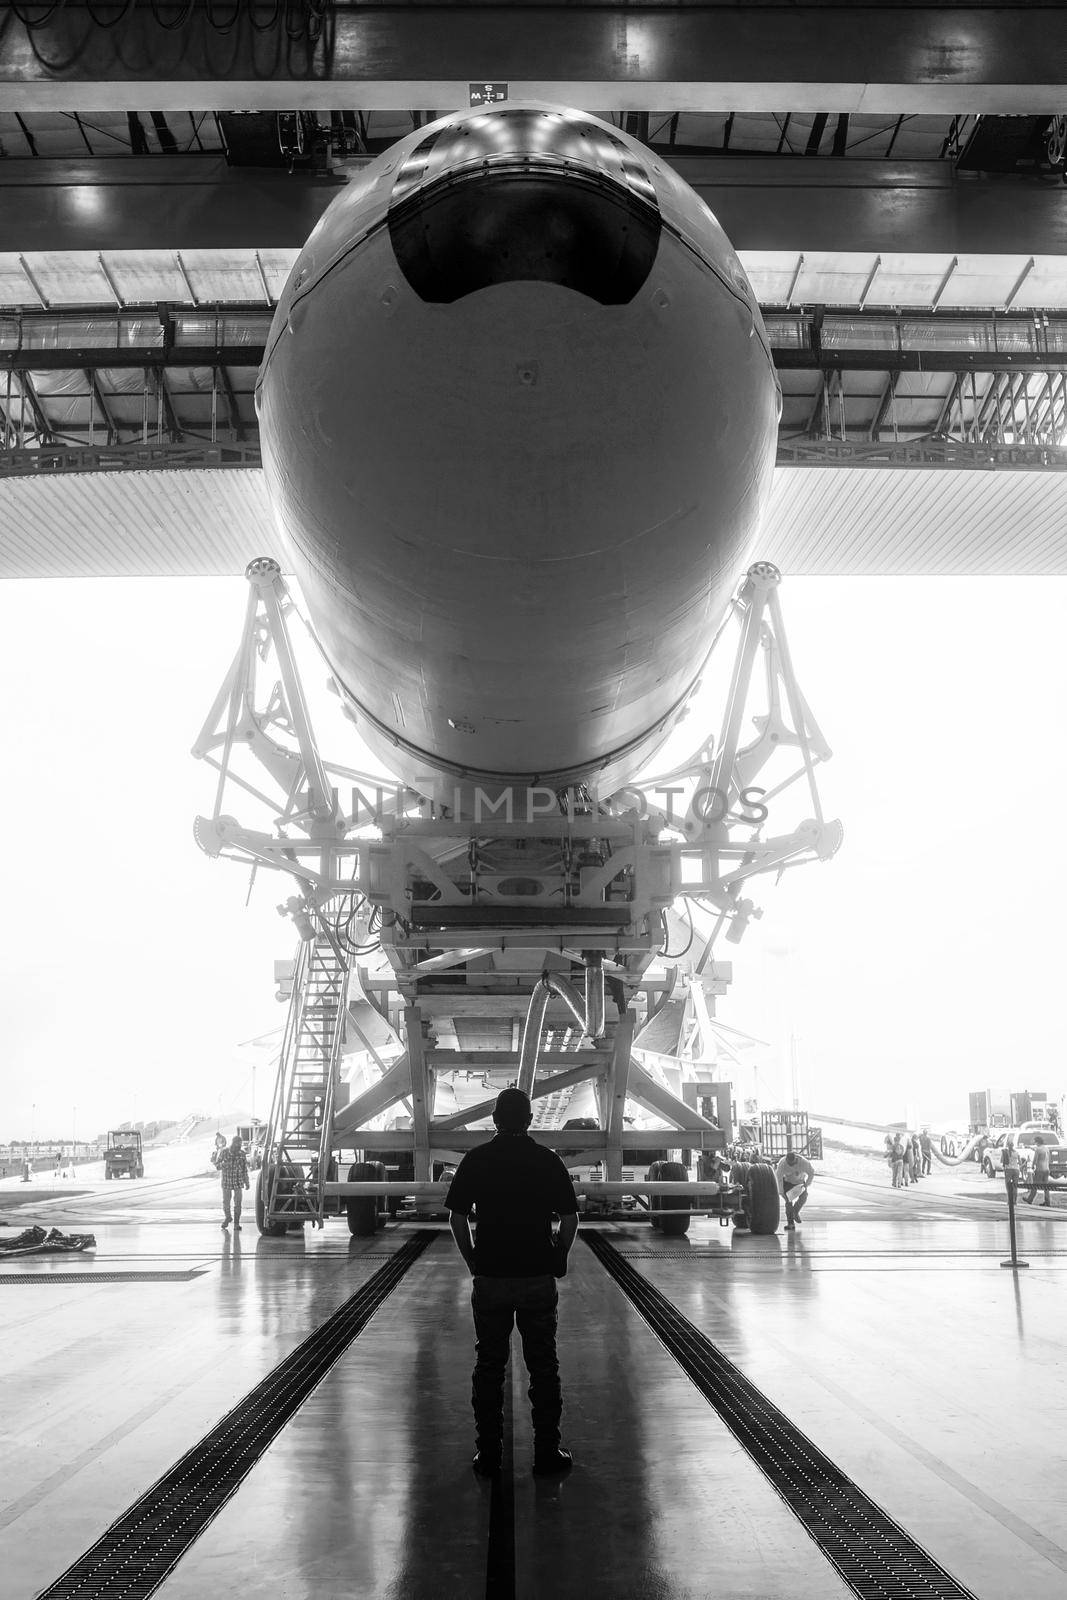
pixel 135 1555
pixel 103 1277
pixel 875 1556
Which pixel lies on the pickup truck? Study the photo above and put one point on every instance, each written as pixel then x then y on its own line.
pixel 1024 1140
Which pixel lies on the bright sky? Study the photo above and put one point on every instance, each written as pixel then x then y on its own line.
pixel 926 960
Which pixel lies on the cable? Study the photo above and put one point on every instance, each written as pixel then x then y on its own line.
pixel 99 21
pixel 180 20
pixel 38 22
pixel 676 955
pixel 219 27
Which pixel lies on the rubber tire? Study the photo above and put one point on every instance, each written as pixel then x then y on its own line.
pixel 108 1175
pixel 673 1226
pixel 269 1230
pixel 764 1201
pixel 987 1168
pixel 362 1210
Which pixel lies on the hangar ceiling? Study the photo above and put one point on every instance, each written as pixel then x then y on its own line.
pixel 893 177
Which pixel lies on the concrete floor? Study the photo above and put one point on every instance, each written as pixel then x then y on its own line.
pixel 884 1327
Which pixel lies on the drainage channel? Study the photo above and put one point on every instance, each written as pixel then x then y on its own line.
pixel 874 1555
pixel 137 1552
pixel 9 1278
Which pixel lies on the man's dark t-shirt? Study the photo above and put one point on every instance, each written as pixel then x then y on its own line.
pixel 516 1186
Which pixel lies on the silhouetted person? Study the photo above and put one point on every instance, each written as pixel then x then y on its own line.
pixel 1039 1172
pixel 926 1145
pixel 515 1187
pixel 233 1171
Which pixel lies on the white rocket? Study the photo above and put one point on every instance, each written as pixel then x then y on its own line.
pixel 518 416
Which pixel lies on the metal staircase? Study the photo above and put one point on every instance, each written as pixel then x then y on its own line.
pixel 298 1147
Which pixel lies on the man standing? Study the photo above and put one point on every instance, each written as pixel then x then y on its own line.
pixel 233 1170
pixel 515 1187
pixel 926 1145
pixel 795 1173
pixel 1039 1172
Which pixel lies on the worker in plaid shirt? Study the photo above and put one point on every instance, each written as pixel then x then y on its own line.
pixel 233 1170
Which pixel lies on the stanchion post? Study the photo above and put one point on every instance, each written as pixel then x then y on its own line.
pixel 1014 1263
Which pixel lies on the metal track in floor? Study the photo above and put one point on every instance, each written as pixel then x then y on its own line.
pixel 874 1555
pixel 131 1560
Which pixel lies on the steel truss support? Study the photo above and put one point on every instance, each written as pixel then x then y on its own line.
pixel 539 932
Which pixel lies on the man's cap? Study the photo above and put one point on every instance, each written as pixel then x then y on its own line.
pixel 513 1110
pixel 236 1139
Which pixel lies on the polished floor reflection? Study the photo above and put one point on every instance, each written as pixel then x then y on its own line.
pixel 885 1328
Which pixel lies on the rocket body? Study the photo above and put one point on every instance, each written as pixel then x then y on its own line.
pixel 518 416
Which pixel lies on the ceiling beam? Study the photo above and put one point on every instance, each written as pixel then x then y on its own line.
pixel 769 202
pixel 815 57
pixel 916 333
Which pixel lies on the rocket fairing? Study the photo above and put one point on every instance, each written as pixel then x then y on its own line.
pixel 518 416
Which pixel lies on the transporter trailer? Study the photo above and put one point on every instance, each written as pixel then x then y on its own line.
pixel 556 936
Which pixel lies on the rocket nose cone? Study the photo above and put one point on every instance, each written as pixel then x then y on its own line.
pixel 572 229
pixel 528 196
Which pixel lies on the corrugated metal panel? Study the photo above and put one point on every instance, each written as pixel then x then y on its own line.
pixel 844 278
pixel 840 521
pixel 134 524
pixel 904 279
pixel 866 521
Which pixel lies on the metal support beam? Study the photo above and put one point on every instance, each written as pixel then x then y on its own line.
pixel 97 399
pixel 237 430
pixel 875 430
pixel 889 58
pixel 647 1092
pixel 188 202
pixel 483 1108
pixel 616 1088
pixel 41 422
pixel 395 1086
pixel 422 1092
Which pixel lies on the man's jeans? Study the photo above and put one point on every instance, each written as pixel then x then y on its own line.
pixel 231 1196
pixel 531 1303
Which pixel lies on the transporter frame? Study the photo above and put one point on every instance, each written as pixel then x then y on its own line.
pixel 517 938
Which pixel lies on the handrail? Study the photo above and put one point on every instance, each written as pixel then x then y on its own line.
pixel 341 971
pixel 286 1068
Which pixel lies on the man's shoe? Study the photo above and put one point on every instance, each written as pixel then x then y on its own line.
pixel 225 1225
pixel 486 1465
pixel 237 1227
pixel 789 1225
pixel 550 1463
pixel 796 1222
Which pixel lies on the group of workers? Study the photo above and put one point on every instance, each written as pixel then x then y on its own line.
pixel 910 1157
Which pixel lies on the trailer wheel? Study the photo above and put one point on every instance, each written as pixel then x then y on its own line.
pixel 362 1209
pixel 672 1225
pixel 764 1201
pixel 269 1230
